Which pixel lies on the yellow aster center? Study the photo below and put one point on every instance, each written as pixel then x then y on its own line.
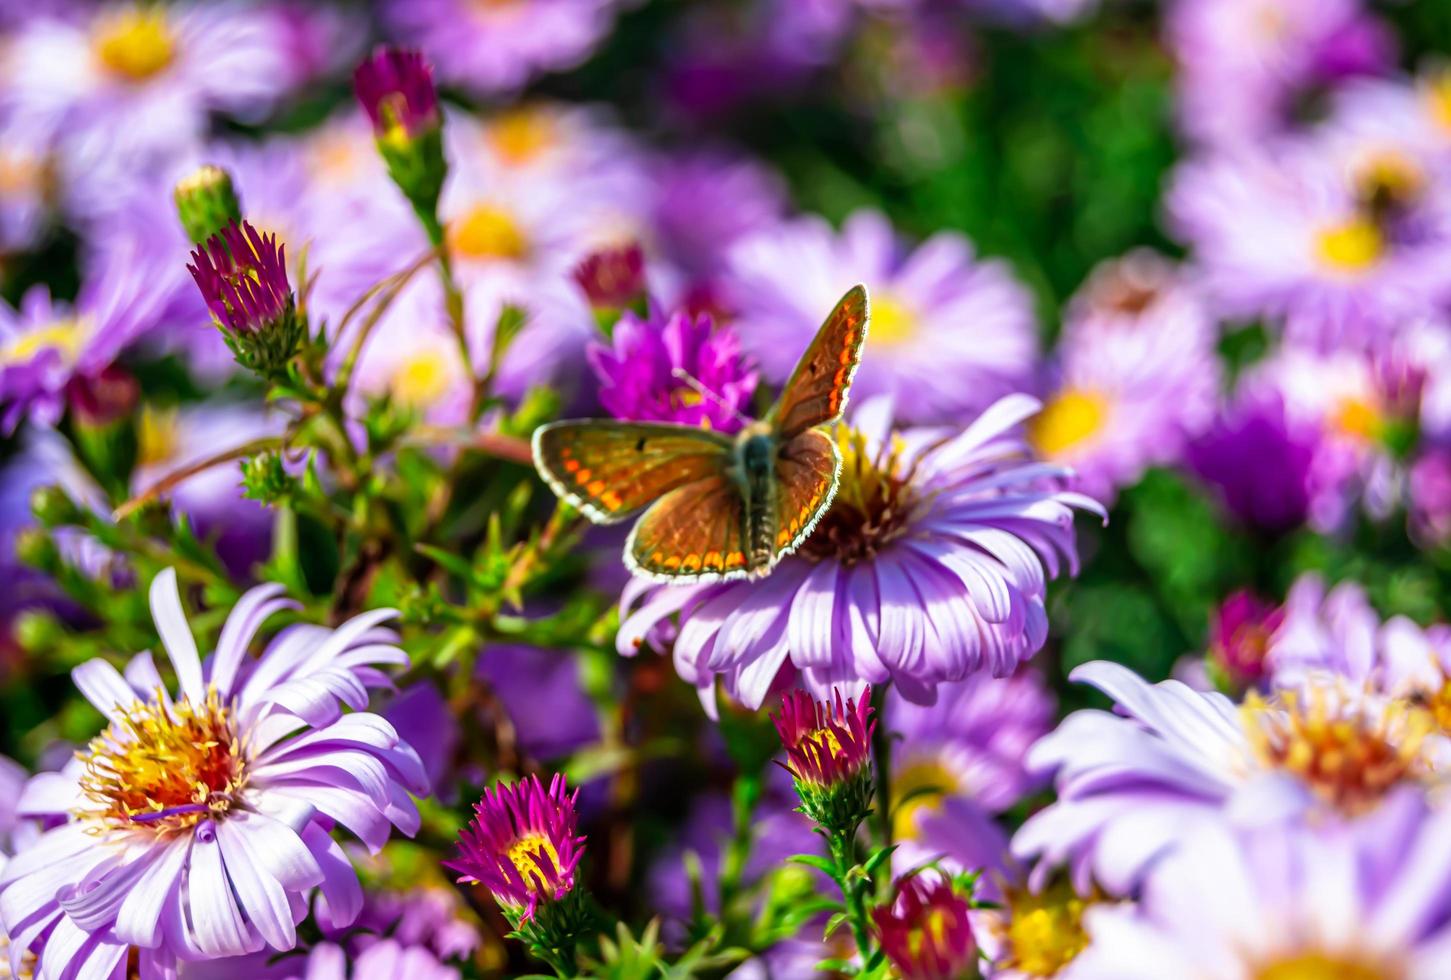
pixel 893 321
pixel 1350 760
pixel 918 786
pixel 1069 419
pixel 65 336
pixel 134 44
pixel 531 853
pixel 487 232
pixel 1438 98
pixel 422 378
pixel 873 504
pixel 164 767
pixel 1352 246
pixel 522 135
pixel 1044 932
pixel 1326 966
pixel 156 436
pixel 1358 418
pixel 1438 704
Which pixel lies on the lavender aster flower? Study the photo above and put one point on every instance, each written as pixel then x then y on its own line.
pixel 498 46
pixel 950 332
pixel 930 565
pixel 1137 785
pixel 45 345
pixel 522 845
pixel 705 202
pixel 196 825
pixel 640 378
pixel 1363 901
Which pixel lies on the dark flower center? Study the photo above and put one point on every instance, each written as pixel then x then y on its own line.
pixel 873 506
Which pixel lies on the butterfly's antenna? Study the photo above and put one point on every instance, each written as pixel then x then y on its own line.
pixel 680 374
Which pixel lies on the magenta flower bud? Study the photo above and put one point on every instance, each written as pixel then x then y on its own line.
pixel 242 275
pixel 522 845
pixel 926 932
pixel 1239 638
pixel 395 87
pixel 829 752
pixel 613 278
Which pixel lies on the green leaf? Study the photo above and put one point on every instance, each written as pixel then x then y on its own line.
pixel 815 861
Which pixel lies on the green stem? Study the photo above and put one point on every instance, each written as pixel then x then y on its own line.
pixel 453 297
pixel 853 891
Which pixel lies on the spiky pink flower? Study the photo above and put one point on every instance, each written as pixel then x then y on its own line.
pixel 522 844
pixel 395 87
pixel 827 742
pixel 926 932
pixel 242 275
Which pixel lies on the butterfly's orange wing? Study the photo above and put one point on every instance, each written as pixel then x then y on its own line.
pixel 610 470
pixel 807 469
pixel 816 391
pixel 694 533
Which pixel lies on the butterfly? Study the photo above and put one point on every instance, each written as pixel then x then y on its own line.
pixel 716 507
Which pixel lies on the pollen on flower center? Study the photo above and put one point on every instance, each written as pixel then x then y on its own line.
pixel 893 321
pixel 64 336
pixel 487 232
pixel 135 44
pixel 1044 931
pixel 873 504
pixel 1350 761
pixel 1351 246
pixel 1071 418
pixel 522 135
pixel 164 766
pixel 422 378
pixel 533 854
pixel 1326 966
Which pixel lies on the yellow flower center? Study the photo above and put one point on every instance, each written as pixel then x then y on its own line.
pixel 873 504
pixel 1388 178
pixel 1044 932
pixel 1352 246
pixel 164 766
pixel 1348 759
pixel 531 853
pixel 1326 966
pixel 1359 418
pixel 65 336
pixel 487 232
pixel 156 436
pixel 522 135
pixel 893 321
pixel 1071 418
pixel 423 377
pixel 1438 98
pixel 1438 704
pixel 134 44
pixel 917 787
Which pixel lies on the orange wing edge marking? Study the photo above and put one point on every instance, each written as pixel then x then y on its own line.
pixel 562 490
pixel 856 363
pixel 666 578
pixel 826 501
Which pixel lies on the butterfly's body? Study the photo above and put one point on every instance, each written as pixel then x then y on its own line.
pixel 716 506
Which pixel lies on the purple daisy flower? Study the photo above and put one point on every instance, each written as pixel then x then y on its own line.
pixel 523 844
pixel 197 825
pixel 1365 900
pixel 1136 375
pixel 499 46
pixel 640 371
pixel 950 332
pixel 45 345
pixel 959 762
pixel 1243 64
pixel 1134 785
pixel 1285 233
pixel 930 566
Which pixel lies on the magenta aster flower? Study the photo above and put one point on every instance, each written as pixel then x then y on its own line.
pixel 45 345
pixel 1134 785
pixel 1364 900
pixel 639 372
pixel 926 931
pixel 197 824
pixel 613 277
pixel 931 565
pixel 826 742
pixel 499 46
pixel 1239 638
pixel 1275 491
pixel 523 844
pixel 242 276
pixel 395 88
pixel 950 332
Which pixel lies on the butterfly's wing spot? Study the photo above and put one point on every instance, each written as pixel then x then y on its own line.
pixel 640 445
